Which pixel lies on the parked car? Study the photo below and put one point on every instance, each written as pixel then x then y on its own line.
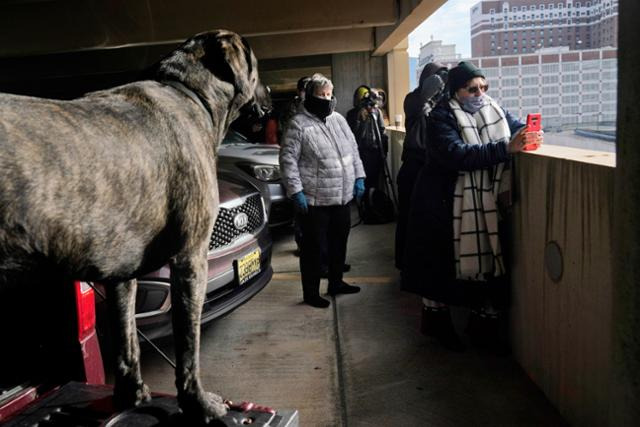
pixel 239 261
pixel 259 164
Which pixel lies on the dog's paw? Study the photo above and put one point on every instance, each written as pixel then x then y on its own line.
pixel 204 408
pixel 130 395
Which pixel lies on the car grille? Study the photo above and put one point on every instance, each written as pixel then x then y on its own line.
pixel 225 232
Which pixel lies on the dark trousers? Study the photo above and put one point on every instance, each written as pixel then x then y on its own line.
pixel 320 224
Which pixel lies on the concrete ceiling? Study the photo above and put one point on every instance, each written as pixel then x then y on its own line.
pixel 275 28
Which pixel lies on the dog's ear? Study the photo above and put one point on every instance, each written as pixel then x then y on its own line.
pixel 229 57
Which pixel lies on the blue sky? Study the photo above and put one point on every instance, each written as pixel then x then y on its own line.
pixel 450 24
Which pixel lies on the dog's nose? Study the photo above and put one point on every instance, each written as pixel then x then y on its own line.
pixel 258 111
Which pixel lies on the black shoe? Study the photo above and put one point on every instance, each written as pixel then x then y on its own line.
pixel 478 330
pixel 488 332
pixel 324 273
pixel 317 301
pixel 438 324
pixel 342 288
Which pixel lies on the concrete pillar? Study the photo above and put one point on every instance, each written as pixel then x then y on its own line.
pixel 398 80
pixel 624 408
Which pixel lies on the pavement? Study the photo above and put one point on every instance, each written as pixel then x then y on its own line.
pixel 362 361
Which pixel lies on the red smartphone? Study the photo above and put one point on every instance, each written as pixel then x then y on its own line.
pixel 533 125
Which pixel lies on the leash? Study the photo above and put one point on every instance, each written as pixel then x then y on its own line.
pixel 142 335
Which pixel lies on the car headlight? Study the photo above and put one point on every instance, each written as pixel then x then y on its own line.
pixel 266 173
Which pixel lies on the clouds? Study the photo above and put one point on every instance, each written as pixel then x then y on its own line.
pixel 450 24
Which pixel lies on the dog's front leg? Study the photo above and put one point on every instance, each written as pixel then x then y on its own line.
pixel 188 285
pixel 129 390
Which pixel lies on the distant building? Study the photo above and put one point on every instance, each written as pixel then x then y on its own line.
pixel 436 51
pixel 559 59
pixel 413 79
pixel 569 88
pixel 524 26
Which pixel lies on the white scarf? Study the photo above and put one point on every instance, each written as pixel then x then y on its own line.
pixel 475 214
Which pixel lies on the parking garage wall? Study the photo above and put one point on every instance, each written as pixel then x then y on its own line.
pixel 350 70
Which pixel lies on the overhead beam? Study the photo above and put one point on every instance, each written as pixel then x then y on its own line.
pixel 312 43
pixel 412 13
pixel 30 27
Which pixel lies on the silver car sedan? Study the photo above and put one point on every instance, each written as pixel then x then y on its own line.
pixel 258 163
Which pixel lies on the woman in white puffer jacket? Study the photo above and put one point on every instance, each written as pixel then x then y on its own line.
pixel 322 172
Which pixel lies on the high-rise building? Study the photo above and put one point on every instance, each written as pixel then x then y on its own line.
pixel 569 88
pixel 524 26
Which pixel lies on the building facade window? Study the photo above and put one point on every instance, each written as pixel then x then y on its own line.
pixel 570 99
pixel 571 89
pixel 509 82
pixel 590 87
pixel 591 97
pixel 571 66
pixel 510 93
pixel 570 110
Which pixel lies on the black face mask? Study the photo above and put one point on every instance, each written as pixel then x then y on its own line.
pixel 320 107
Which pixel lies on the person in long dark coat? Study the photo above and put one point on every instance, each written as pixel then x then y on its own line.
pixel 417 107
pixel 432 265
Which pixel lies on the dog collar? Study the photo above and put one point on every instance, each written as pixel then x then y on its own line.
pixel 191 94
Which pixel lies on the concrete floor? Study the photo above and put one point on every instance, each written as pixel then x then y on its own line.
pixel 361 362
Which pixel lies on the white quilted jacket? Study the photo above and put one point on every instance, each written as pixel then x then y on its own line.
pixel 320 159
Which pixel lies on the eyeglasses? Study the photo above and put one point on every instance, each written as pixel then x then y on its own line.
pixel 475 89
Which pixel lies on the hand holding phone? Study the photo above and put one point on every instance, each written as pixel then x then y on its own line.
pixel 534 121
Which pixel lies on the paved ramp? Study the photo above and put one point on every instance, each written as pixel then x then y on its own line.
pixel 361 362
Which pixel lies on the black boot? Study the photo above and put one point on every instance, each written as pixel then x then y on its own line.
pixel 316 301
pixel 342 288
pixel 437 323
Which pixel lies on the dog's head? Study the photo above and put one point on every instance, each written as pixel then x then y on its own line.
pixel 220 67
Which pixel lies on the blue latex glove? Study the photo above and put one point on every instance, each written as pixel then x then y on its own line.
pixel 358 189
pixel 300 203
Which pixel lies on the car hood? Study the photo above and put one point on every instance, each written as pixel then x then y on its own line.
pixel 266 154
pixel 233 188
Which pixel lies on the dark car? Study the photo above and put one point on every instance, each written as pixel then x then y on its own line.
pixel 258 164
pixel 239 262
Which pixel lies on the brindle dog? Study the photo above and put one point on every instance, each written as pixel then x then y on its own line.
pixel 120 182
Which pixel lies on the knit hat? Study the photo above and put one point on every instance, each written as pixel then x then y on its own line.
pixel 360 93
pixel 461 74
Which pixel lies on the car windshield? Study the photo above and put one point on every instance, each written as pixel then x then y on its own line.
pixel 233 137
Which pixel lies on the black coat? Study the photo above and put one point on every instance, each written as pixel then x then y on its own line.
pixel 429 264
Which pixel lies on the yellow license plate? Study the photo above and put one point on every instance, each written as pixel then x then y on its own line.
pixel 248 266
